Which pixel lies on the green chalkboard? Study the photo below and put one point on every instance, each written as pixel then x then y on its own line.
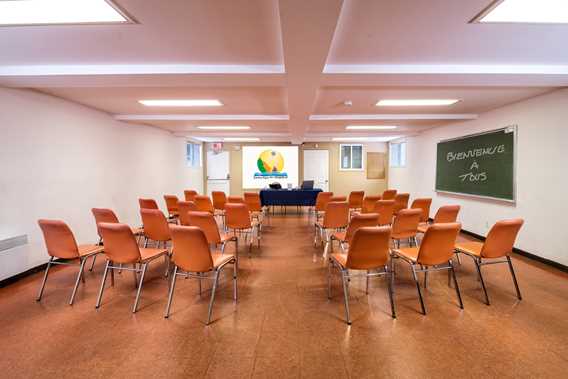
pixel 480 165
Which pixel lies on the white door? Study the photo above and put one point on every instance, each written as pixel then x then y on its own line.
pixel 218 172
pixel 316 168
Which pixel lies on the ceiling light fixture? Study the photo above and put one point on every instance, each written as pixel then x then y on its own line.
pixel 223 127
pixel 370 127
pixel 182 103
pixel 525 11
pixel 415 102
pixel 49 12
pixel 241 139
pixel 364 139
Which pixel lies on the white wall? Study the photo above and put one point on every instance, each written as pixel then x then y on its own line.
pixel 59 159
pixel 542 173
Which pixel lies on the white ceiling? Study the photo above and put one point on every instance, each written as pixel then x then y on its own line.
pixel 285 67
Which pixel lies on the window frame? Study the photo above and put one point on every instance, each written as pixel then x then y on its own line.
pixel 351 145
pixel 402 159
pixel 190 162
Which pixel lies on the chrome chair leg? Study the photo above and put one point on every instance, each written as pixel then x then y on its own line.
pixel 171 294
pixel 144 267
pixel 213 290
pixel 456 283
pixel 478 267
pixel 514 278
pixel 40 294
pixel 390 285
pixel 93 262
pixel 329 267
pixel 99 298
pixel 418 289
pixel 79 276
pixel 346 296
pixel 367 283
pixel 235 284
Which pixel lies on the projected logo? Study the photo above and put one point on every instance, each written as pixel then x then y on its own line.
pixel 270 164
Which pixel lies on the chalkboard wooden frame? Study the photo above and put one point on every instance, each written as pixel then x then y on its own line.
pixel 511 129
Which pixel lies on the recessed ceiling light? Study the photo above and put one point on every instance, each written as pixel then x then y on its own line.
pixel 182 103
pixel 41 12
pixel 415 102
pixel 223 127
pixel 529 11
pixel 241 139
pixel 364 139
pixel 370 127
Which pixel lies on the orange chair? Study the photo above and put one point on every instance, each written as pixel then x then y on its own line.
pixel 252 200
pixel 358 220
pixel 184 207
pixel 338 199
pixel 189 195
pixel 191 256
pixel 401 201
pixel 204 204
pixel 155 227
pixel 60 243
pixel 107 215
pixel 148 204
pixel 237 219
pixel 236 200
pixel 336 217
pixel 405 226
pixel 322 199
pixel 368 251
pixel 121 248
pixel 206 221
pixel 369 203
pixel 436 249
pixel 445 214
pixel 424 205
pixel 498 244
pixel 385 209
pixel 355 200
pixel 172 205
pixel 389 194
pixel 219 199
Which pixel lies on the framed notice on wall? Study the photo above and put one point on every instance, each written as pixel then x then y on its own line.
pixel 481 165
pixel 376 165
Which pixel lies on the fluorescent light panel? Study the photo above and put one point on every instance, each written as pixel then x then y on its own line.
pixel 415 102
pixel 370 127
pixel 223 127
pixel 241 139
pixel 527 11
pixel 364 139
pixel 41 12
pixel 181 103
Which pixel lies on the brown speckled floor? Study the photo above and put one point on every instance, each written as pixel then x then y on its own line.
pixel 284 326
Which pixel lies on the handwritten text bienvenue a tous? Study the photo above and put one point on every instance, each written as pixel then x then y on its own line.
pixel 474 176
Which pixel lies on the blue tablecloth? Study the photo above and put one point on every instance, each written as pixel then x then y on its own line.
pixel 289 197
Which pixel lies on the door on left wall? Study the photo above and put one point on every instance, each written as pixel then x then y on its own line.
pixel 218 172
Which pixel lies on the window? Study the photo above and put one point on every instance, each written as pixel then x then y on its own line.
pixel 193 155
pixel 397 154
pixel 351 157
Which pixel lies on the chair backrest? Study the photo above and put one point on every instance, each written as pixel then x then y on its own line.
pixel 338 199
pixel 356 199
pixel 401 201
pixel 206 222
pixel 438 244
pixel 171 203
pixel 405 224
pixel 103 215
pixel 155 225
pixel 236 200
pixel 501 238
pixel 148 204
pixel 184 207
pixel 219 200
pixel 190 250
pixel 359 221
pixel 447 213
pixel 385 209
pixel 369 203
pixel 237 216
pixel 59 239
pixel 389 194
pixel 336 214
pixel 252 200
pixel 189 195
pixel 369 248
pixel 119 243
pixel 203 203
pixel 322 199
pixel 424 205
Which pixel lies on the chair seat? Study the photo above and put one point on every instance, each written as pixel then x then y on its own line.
pixel 422 227
pixel 149 253
pixel 340 258
pixel 410 253
pixel 340 236
pixel 471 248
pixel 220 259
pixel 87 250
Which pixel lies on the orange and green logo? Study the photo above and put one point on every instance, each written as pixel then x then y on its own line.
pixel 270 164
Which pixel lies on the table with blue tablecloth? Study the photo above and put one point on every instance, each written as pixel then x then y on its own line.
pixel 285 197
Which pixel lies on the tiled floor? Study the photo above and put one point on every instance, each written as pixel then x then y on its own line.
pixel 284 326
